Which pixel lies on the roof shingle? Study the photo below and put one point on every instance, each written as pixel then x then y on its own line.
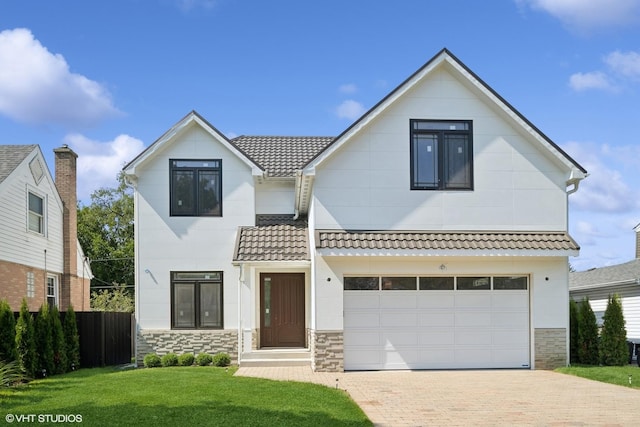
pixel 614 274
pixel 11 156
pixel 273 238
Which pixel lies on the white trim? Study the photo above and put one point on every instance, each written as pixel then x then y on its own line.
pixel 443 253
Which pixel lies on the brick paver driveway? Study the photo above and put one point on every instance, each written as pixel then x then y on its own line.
pixel 476 398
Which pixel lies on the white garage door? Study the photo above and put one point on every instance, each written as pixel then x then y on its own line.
pixel 438 323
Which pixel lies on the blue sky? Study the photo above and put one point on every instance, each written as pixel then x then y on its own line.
pixel 108 78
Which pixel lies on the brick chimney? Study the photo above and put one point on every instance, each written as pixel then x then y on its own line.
pixel 66 184
pixel 637 230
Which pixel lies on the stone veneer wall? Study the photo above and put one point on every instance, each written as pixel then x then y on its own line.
pixel 327 351
pixel 550 348
pixel 164 341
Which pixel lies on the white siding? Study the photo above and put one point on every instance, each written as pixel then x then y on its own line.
pixel 17 243
pixel 275 197
pixel 366 184
pixel 166 243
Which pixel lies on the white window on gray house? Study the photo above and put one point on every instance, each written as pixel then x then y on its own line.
pixel 36 213
pixel 196 300
pixel 52 291
pixel 31 285
pixel 441 155
pixel 196 187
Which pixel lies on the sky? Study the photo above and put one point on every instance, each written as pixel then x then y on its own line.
pixel 109 78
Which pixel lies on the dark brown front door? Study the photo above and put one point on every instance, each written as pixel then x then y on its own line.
pixel 282 310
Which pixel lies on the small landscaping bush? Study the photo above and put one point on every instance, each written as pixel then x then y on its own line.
pixel 203 359
pixel 221 359
pixel 152 360
pixel 10 373
pixel 169 359
pixel 186 359
pixel 613 344
pixel 7 332
pixel 25 341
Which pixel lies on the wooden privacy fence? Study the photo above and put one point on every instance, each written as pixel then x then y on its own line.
pixel 106 338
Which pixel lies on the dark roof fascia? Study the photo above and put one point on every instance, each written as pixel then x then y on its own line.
pixel 475 76
pixel 174 128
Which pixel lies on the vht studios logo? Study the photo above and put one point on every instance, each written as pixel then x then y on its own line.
pixel 43 418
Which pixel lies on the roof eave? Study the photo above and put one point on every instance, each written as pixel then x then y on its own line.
pixel 327 252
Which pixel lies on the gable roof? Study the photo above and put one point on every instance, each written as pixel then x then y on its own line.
pixel 193 118
pixel 11 156
pixel 626 273
pixel 446 57
pixel 282 156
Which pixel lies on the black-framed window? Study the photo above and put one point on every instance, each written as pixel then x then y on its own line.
pixel 441 155
pixel 196 300
pixel 196 187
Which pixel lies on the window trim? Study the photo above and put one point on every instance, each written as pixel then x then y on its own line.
pixel 56 291
pixel 41 216
pixel 442 184
pixel 196 169
pixel 195 281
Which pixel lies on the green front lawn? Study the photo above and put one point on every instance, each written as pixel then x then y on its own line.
pixel 618 375
pixel 181 396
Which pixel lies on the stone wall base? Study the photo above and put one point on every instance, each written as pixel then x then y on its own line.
pixel 162 341
pixel 327 351
pixel 550 348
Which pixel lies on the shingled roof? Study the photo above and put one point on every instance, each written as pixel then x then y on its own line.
pixel 444 240
pixel 273 238
pixel 281 156
pixel 11 156
pixel 629 272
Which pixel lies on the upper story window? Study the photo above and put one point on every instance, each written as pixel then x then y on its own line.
pixel 35 219
pixel 441 155
pixel 196 187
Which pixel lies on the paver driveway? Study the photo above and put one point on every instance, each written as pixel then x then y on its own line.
pixel 476 398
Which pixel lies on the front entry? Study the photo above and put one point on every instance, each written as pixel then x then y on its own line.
pixel 282 310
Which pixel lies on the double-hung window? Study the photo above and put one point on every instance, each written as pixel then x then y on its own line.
pixel 441 155
pixel 36 213
pixel 196 300
pixel 196 187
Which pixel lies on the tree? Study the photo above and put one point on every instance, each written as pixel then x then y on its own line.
pixel 57 339
pixel 105 232
pixel 25 341
pixel 44 342
pixel 573 331
pixel 116 299
pixel 71 339
pixel 587 335
pixel 7 332
pixel 613 338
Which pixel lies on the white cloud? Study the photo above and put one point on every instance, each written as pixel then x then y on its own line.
pixel 36 86
pixel 625 64
pixel 348 88
pixel 593 80
pixel 587 15
pixel 605 189
pixel 350 109
pixel 100 162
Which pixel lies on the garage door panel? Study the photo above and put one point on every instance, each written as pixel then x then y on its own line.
pixel 398 319
pixel 473 299
pixel 436 337
pixel 437 357
pixel 360 358
pixel 435 299
pixel 471 318
pixel 473 356
pixel 436 318
pixel 356 337
pixel 505 300
pixel 396 339
pixel 361 319
pixel 472 336
pixel 363 300
pixel 511 319
pixel 403 300
pixel 401 358
pixel 511 357
pixel 510 337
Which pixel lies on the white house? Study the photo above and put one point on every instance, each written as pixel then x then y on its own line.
pixel 431 233
pixel 599 284
pixel 40 257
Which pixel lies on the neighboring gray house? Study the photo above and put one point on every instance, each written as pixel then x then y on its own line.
pixel 598 284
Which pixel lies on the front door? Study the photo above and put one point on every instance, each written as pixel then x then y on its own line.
pixel 282 310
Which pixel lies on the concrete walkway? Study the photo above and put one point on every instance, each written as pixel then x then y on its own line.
pixel 475 398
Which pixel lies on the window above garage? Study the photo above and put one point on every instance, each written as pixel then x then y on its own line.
pixel 435 283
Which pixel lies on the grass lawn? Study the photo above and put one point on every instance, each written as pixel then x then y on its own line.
pixel 181 396
pixel 618 375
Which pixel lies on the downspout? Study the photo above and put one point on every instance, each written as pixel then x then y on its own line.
pixel 240 328
pixel 298 191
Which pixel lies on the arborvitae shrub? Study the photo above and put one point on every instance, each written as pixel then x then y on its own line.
pixel 186 359
pixel 152 360
pixel 169 359
pixel 57 338
pixel 588 352
pixel 25 341
pixel 573 331
pixel 72 339
pixel 7 333
pixel 44 342
pixel 203 359
pixel 613 338
pixel 221 359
